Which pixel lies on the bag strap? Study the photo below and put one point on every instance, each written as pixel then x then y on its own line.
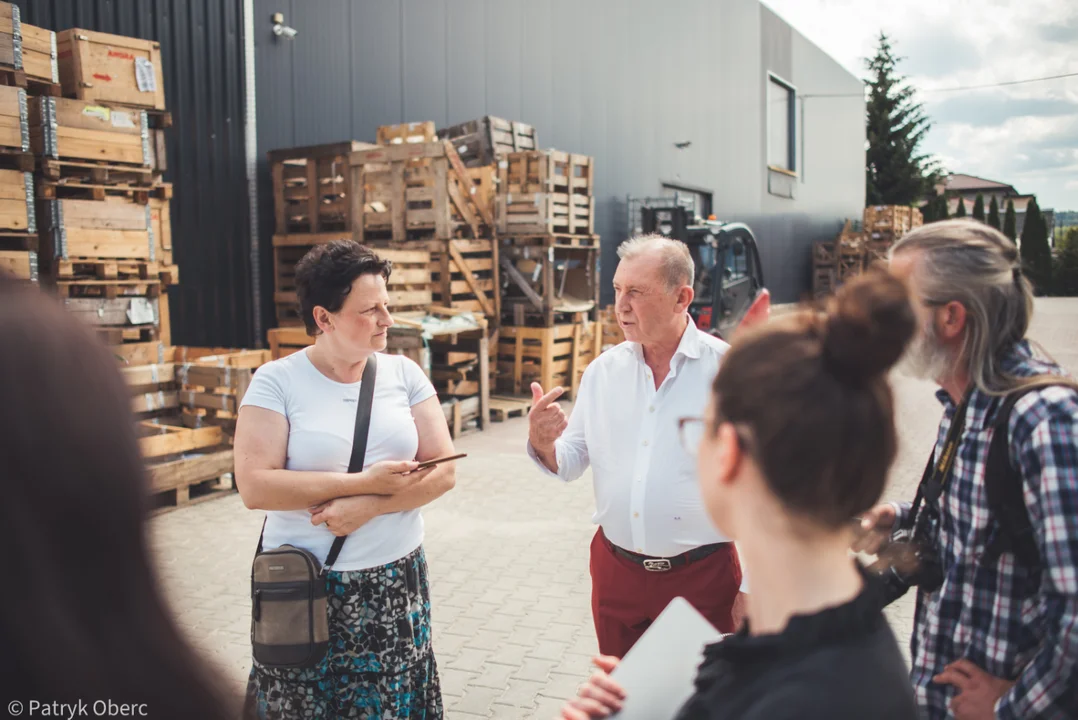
pixel 359 446
pixel 938 471
pixel 359 440
pixel 1003 484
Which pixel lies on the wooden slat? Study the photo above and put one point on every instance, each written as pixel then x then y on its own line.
pixel 169 440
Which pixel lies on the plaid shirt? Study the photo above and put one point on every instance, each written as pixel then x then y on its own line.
pixel 993 613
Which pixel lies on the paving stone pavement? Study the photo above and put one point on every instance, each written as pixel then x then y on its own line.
pixel 508 555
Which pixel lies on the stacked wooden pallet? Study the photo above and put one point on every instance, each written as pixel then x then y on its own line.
pixel 550 259
pixel 102 208
pixel 835 262
pixel 483 142
pixel 450 195
pixel 185 405
pixel 884 224
pixel 612 333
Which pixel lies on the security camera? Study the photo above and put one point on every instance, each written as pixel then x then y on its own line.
pixel 279 28
pixel 288 32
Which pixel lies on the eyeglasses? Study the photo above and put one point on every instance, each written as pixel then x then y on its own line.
pixel 690 432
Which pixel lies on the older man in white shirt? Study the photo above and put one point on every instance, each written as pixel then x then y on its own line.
pixel 655 541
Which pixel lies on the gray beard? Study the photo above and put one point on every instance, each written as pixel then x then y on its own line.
pixel 925 358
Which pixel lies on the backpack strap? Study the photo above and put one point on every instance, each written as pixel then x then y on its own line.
pixel 1004 491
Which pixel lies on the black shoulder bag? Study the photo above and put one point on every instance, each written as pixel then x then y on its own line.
pixel 289 611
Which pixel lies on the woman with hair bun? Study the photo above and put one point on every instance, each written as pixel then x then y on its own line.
pixel 797 441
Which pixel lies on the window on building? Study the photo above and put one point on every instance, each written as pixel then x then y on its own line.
pixel 736 261
pixel 696 200
pixel 781 121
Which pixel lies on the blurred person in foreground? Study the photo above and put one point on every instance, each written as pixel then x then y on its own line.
pixel 797 440
pixel 996 626
pixel 82 616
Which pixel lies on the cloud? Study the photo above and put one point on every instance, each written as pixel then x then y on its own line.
pixel 994 108
pixel 1065 32
pixel 1023 135
pixel 938 52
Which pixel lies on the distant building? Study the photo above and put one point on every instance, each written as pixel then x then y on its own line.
pixel 965 188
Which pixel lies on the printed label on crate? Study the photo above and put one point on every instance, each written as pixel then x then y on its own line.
pixel 121 54
pixel 144 75
pixel 140 312
pixel 123 119
pixel 97 111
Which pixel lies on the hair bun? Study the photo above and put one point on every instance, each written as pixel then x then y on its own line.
pixel 869 323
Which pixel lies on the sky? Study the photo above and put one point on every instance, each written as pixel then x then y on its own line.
pixel 1022 135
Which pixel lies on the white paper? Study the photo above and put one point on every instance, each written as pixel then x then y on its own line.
pixel 140 312
pixel 122 119
pixel 144 75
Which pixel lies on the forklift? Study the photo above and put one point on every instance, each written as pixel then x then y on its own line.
pixel 729 277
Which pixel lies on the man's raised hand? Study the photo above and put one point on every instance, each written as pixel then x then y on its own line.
pixel 546 423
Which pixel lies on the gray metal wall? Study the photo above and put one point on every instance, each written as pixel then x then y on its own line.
pixel 622 80
pixel 202 53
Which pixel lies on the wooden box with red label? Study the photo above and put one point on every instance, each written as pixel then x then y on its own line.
pixel 110 69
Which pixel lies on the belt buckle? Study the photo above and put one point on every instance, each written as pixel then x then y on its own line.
pixel 657 565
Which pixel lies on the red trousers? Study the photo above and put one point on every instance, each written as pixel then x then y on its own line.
pixel 626 598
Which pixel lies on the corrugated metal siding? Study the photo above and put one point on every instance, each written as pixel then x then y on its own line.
pixel 622 80
pixel 202 52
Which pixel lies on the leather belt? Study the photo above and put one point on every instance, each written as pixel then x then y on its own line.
pixel 661 564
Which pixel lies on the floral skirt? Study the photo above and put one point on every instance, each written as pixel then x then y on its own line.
pixel 380 662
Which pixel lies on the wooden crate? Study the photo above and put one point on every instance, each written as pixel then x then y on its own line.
pixel 465 276
pixel 482 142
pixel 414 132
pixel 409 284
pixel 193 478
pixel 287 340
pixel 551 213
pixel 891 222
pixel 416 191
pixel 20 259
pixel 552 356
pixel 17 212
pixel 325 168
pixel 39 55
pixel 213 386
pixel 115 228
pixel 110 69
pixel 125 319
pixel 547 282
pixel 546 171
pixel 10 36
pixel 612 334
pixel 76 139
pixel 14 130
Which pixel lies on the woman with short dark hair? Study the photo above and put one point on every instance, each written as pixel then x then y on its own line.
pixel 797 441
pixel 82 617
pixel 293 444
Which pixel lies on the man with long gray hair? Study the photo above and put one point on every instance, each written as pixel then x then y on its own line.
pixel 655 540
pixel 995 520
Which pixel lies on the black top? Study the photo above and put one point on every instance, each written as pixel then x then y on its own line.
pixel 842 662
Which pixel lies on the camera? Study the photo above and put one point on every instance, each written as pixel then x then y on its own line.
pixel 907 561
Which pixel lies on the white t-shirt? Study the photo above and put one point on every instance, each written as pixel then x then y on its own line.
pixel 321 417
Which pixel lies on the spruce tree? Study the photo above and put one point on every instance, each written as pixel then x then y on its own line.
pixel 1036 255
pixel 1010 222
pixel 978 208
pixel 993 213
pixel 961 212
pixel 896 173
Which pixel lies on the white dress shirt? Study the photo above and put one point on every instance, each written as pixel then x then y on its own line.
pixel 647 497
